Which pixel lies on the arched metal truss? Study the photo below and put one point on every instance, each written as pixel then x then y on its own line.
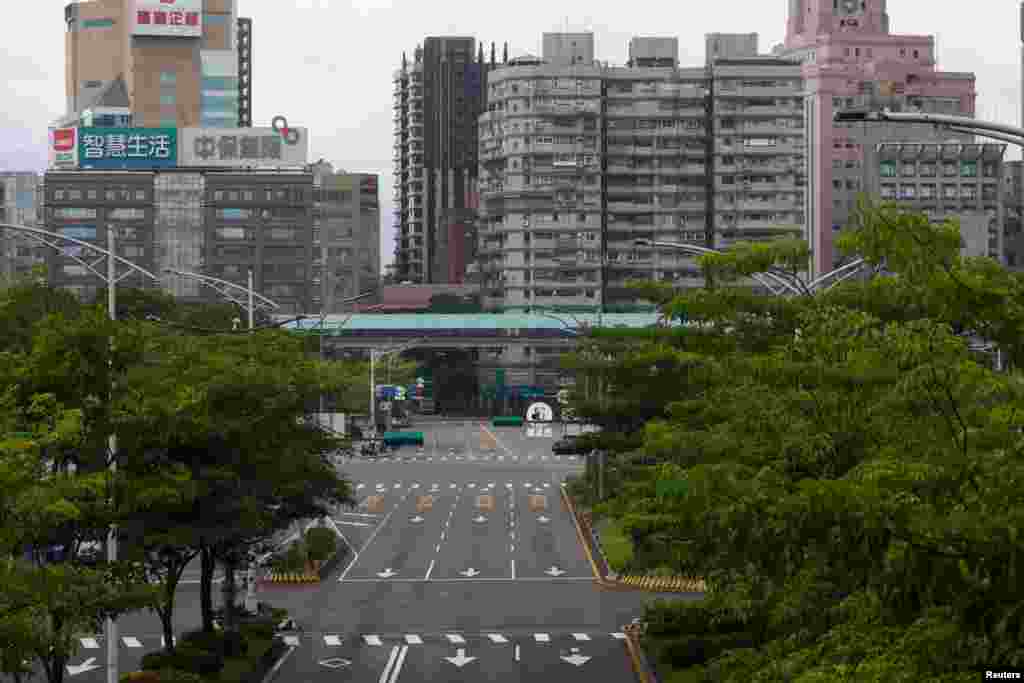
pixel 75 249
pixel 231 291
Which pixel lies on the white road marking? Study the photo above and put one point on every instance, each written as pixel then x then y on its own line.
pixel 618 636
pixel 452 486
pixel 385 677
pixel 513 568
pixel 344 523
pixel 129 641
pixel 429 570
pixel 455 639
pixel 90 643
pixel 443 533
pixel 581 636
pixel 398 485
pixel 332 640
pixel 542 637
pixel 291 641
pixel 413 639
pixel 359 486
pixel 360 514
pixel 497 638
pixel 376 531
pixel 437 548
pixel 479 578
pixel 373 640
pixel 517 653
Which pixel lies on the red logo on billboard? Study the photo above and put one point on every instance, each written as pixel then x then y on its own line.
pixel 64 140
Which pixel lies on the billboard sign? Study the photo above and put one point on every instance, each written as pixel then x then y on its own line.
pixel 168 18
pixel 63 148
pixel 539 412
pixel 127 148
pixel 243 147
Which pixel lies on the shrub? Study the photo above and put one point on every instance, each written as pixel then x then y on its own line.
pixel 259 630
pixel 321 543
pixel 295 558
pixel 179 676
pixel 202 662
pixel 154 661
pixel 235 644
pixel 202 640
pixel 141 677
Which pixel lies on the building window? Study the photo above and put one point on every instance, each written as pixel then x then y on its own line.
pixel 928 191
pixel 927 170
pixel 949 191
pixel 968 192
pixel 907 192
pixel 168 78
pixel 949 170
pixel 887 169
pixel 907 170
pixel 968 169
pixel 97 23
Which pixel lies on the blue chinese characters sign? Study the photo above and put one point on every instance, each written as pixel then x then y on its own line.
pixel 127 148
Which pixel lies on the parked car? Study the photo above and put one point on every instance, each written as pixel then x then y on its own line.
pixel 569 445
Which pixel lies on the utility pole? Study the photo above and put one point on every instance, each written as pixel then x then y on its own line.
pixel 113 670
pixel 252 311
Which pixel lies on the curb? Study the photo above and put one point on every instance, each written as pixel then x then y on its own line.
pixel 598 577
pixel 643 674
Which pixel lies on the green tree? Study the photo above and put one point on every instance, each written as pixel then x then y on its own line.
pixel 321 543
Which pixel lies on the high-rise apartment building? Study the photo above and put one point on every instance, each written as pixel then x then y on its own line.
pixel 438 96
pixel 580 159
pixel 157 63
pixel 850 59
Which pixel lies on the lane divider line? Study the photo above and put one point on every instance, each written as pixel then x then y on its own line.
pixel 579 535
pixel 385 676
pixel 376 531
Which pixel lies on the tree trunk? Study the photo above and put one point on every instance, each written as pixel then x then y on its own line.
pixel 207 565
pixel 167 620
pixel 230 591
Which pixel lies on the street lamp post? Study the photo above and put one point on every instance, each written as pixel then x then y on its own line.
pixel 788 281
pixel 73 248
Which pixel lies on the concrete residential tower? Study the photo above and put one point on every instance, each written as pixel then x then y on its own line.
pixel 157 63
pixel 850 59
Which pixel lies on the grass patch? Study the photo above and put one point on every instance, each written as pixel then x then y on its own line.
pixel 692 675
pixel 237 668
pixel 616 544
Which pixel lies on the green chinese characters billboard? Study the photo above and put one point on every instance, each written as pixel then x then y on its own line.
pixel 127 148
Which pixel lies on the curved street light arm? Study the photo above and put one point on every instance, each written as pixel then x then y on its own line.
pixel 856 266
pixel 695 249
pixel 56 241
pixel 224 288
pixel 966 124
pixel 1010 139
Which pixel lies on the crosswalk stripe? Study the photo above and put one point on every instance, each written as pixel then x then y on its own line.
pixel 129 641
pixel 497 638
pixel 455 638
pixel 581 636
pixel 332 640
pixel 413 640
pixel 372 640
pixel 90 643
pixel 618 636
pixel 542 637
pixel 291 641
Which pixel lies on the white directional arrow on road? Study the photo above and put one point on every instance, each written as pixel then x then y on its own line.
pixel 480 518
pixel 335 663
pixel 416 520
pixel 542 519
pixel 460 659
pixel 576 658
pixel 554 571
pixel 470 572
pixel 387 573
pixel 87 665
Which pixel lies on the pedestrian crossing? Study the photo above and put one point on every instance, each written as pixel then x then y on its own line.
pixel 323 639
pixel 492 457
pixel 437 487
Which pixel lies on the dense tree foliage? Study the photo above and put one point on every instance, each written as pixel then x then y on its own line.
pixel 853 472
pixel 215 452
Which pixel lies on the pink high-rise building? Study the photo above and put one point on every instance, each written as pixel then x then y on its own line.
pixel 851 60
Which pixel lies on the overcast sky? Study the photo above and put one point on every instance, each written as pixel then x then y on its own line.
pixel 328 64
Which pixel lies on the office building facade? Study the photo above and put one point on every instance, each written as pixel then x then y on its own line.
pixel 438 95
pixel 157 63
pixel 946 180
pixel 220 222
pixel 850 59
pixel 346 232
pixel 19 205
pixel 579 159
